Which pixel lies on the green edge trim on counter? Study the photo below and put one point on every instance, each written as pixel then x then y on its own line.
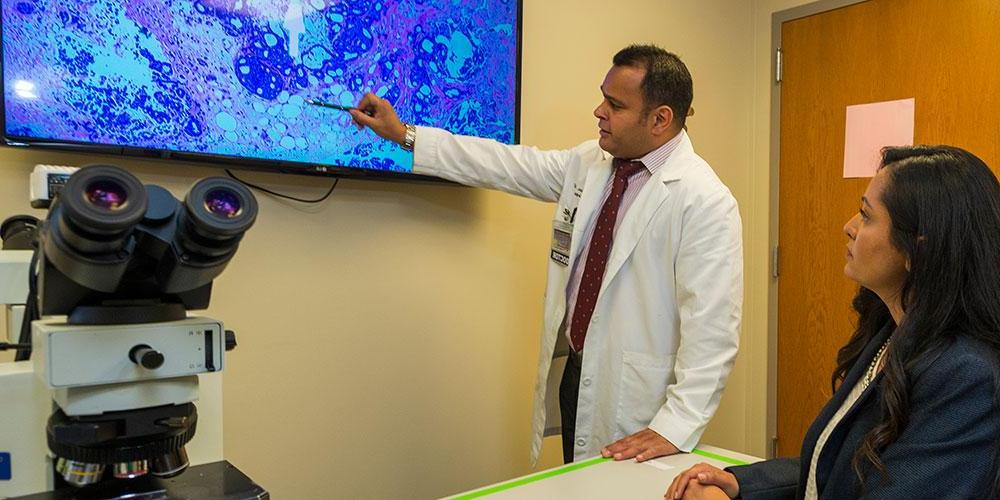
pixel 721 458
pixel 532 478
pixel 570 468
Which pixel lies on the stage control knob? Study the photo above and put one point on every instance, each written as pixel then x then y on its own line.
pixel 146 357
pixel 230 340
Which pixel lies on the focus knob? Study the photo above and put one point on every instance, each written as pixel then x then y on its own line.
pixel 146 357
pixel 230 340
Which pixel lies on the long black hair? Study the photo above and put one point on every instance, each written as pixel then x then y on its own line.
pixel 944 204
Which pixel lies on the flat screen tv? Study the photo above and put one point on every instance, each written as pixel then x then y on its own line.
pixel 227 81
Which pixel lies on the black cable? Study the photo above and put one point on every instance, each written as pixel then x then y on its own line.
pixel 5 346
pixel 285 196
pixel 31 312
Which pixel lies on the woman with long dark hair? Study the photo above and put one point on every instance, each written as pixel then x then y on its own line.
pixel 915 411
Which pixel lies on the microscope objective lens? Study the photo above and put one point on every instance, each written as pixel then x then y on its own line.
pixel 79 473
pixel 131 470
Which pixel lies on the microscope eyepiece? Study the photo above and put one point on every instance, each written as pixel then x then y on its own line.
pixel 217 212
pixel 18 232
pixel 86 235
pixel 103 200
pixel 220 209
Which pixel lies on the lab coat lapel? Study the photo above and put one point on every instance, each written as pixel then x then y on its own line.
pixel 642 211
pixel 589 205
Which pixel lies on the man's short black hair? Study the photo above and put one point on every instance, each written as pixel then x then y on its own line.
pixel 667 81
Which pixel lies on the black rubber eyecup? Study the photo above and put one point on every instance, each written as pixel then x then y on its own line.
pixel 78 200
pixel 220 208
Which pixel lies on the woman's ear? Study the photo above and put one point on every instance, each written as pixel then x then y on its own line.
pixel 920 241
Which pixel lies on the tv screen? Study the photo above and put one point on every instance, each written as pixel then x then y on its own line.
pixel 228 80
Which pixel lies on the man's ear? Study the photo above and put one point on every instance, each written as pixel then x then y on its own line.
pixel 663 119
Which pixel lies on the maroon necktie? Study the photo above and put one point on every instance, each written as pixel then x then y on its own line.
pixel 597 255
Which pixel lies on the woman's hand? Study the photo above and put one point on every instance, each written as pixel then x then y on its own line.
pixel 697 491
pixel 704 475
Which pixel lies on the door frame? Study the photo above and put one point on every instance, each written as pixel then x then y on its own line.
pixel 777 19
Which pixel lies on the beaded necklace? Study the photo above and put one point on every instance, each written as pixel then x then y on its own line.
pixel 870 374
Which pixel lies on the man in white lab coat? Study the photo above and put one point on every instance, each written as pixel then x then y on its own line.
pixel 645 277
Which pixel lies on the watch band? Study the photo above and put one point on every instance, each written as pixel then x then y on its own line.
pixel 410 138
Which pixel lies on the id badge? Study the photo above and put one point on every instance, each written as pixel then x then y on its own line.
pixel 562 234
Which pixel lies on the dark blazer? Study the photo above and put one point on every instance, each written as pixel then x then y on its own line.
pixel 946 450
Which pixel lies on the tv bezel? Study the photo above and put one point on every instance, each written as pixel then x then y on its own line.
pixel 239 162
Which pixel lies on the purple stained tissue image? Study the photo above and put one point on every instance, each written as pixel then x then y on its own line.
pixel 231 77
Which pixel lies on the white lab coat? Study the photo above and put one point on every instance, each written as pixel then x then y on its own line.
pixel 664 333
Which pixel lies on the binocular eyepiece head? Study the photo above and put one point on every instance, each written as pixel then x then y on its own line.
pixel 108 237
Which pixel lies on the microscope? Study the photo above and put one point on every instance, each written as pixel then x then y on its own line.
pixel 109 364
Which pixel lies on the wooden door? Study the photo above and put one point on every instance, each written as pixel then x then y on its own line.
pixel 946 55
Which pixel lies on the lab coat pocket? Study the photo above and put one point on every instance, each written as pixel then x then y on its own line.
pixel 644 383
